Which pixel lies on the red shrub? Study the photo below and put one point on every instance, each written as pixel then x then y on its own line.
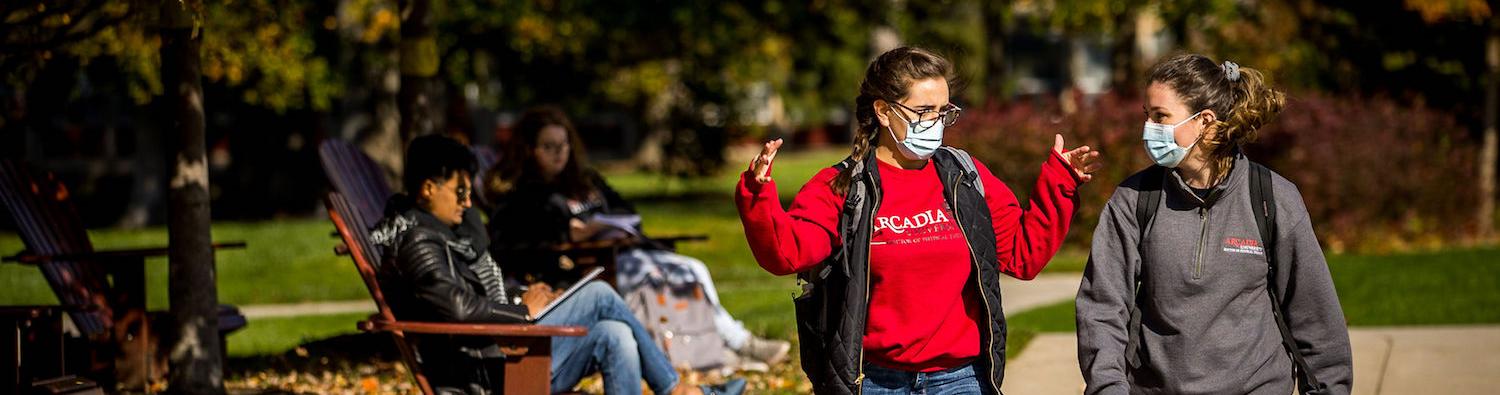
pixel 1376 175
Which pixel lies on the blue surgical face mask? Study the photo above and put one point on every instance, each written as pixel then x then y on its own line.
pixel 1161 142
pixel 919 145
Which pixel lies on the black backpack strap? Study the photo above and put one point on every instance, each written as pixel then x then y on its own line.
pixel 821 271
pixel 1148 198
pixel 1263 204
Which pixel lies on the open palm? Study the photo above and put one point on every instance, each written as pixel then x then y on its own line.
pixel 1083 160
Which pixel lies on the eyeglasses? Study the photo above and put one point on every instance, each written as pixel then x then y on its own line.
pixel 554 148
pixel 461 191
pixel 926 119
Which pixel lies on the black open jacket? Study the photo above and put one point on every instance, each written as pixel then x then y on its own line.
pixel 831 323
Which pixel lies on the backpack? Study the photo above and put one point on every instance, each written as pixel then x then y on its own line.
pixel 1148 199
pixel 681 321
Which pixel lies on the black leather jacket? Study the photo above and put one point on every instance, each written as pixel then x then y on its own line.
pixel 424 273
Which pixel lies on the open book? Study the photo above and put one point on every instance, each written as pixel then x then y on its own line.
pixel 615 226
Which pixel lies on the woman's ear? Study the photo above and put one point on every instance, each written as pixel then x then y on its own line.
pixel 881 113
pixel 1209 124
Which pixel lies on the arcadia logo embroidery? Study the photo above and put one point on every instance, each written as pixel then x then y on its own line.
pixel 1243 246
pixel 900 224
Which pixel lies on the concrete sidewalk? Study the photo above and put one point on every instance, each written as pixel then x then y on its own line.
pixel 310 308
pixel 1017 296
pixel 1387 360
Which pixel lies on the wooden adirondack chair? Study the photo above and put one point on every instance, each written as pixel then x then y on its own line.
pixel 35 335
pixel 528 348
pixel 104 290
pixel 361 181
pixel 356 176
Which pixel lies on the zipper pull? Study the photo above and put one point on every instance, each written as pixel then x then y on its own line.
pixel 860 379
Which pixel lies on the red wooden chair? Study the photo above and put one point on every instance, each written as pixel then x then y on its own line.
pixel 528 348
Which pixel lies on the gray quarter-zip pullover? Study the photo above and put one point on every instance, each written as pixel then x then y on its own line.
pixel 1206 320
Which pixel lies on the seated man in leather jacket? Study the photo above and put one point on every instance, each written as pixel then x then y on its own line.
pixel 436 268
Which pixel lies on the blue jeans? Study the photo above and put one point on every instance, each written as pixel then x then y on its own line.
pixel 881 381
pixel 617 345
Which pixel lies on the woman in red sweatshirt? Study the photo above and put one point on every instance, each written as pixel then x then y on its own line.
pixel 902 244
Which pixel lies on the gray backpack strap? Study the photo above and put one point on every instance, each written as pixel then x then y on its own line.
pixel 968 163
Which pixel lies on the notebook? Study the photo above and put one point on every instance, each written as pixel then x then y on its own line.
pixel 587 277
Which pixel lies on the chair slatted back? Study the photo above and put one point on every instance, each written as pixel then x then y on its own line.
pixel 50 225
pixel 354 229
pixel 356 176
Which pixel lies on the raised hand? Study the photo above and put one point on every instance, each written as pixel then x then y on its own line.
pixel 1083 160
pixel 761 165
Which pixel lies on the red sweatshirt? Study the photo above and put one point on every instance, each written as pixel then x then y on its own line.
pixel 921 317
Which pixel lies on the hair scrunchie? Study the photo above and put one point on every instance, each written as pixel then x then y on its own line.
pixel 1231 70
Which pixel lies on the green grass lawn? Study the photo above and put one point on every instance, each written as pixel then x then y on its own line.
pixel 1428 288
pixel 287 261
pixel 791 170
pixel 270 336
pixel 1451 287
pixel 291 261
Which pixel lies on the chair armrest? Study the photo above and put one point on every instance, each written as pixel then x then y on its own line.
pixel 681 238
pixel 41 310
pixel 671 241
pixel 107 255
pixel 568 246
pixel 596 244
pixel 455 328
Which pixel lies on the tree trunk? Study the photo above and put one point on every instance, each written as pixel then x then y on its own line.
pixel 1124 61
pixel 144 205
pixel 381 139
pixel 1487 153
pixel 194 353
pixel 419 63
pixel 996 69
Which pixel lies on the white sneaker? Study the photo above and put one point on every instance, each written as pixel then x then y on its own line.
pixel 733 362
pixel 770 352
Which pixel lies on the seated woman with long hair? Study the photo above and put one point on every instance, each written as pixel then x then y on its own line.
pixel 544 191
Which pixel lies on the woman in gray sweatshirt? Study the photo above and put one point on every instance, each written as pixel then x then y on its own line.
pixel 1178 294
